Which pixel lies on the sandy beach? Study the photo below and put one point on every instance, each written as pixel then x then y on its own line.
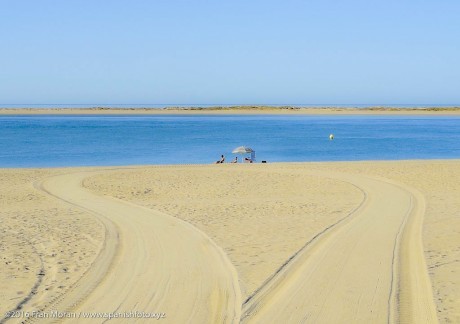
pixel 342 242
pixel 230 162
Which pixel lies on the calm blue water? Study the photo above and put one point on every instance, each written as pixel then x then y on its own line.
pixel 48 141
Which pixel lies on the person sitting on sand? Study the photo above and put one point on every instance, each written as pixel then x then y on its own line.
pixel 222 159
pixel 248 160
pixel 235 160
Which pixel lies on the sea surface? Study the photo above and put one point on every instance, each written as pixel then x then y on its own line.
pixel 56 141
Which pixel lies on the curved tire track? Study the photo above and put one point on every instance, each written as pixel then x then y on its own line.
pixel 370 268
pixel 150 262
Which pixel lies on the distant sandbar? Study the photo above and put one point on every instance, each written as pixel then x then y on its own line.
pixel 231 110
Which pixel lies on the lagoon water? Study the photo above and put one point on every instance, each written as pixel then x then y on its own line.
pixel 51 141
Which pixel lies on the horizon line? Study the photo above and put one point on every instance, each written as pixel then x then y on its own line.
pixel 228 104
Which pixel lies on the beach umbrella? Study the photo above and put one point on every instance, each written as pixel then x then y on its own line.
pixel 244 150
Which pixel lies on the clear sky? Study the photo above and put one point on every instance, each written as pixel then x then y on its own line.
pixel 230 52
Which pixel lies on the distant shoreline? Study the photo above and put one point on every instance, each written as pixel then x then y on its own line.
pixel 232 110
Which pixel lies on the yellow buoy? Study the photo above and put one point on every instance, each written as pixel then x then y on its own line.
pixel 331 137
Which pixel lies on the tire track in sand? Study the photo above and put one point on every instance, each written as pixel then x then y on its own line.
pixel 150 262
pixel 370 268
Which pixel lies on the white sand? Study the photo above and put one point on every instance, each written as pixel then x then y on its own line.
pixel 45 244
pixel 316 242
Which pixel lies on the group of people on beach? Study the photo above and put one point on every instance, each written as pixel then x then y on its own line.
pixel 222 160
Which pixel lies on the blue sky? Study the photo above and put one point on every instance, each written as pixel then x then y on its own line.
pixel 230 52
